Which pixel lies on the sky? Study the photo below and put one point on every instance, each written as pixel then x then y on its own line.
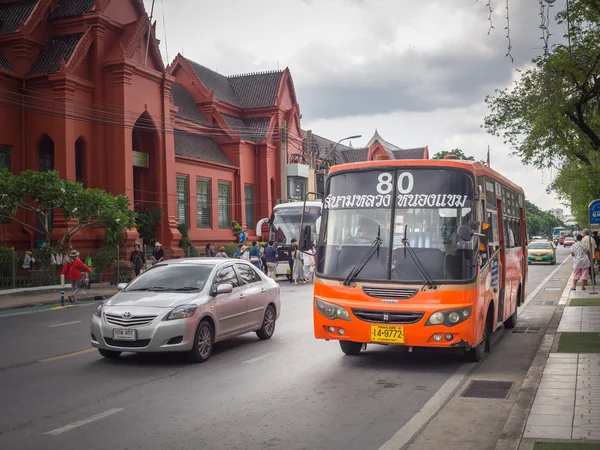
pixel 417 71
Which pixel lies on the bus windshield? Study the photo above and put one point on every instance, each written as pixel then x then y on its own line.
pixel 285 222
pixel 425 206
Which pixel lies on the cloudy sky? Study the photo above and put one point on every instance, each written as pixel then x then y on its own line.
pixel 417 70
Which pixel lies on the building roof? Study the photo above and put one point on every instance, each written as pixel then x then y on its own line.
pixel 191 145
pixel 4 64
pixel 13 13
pixel 377 138
pixel 322 145
pixel 59 48
pixel 187 106
pixel 72 8
pixel 250 91
pixel 410 153
pixel 257 90
pixel 353 155
pixel 253 129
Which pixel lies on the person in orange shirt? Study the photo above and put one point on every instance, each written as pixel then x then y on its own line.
pixel 73 270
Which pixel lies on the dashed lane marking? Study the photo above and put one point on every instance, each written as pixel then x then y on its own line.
pixel 64 323
pixel 80 423
pixel 258 358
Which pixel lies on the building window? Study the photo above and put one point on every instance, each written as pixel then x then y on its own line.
pixel 203 203
pixel 224 205
pixel 5 157
pixel 79 160
pixel 182 199
pixel 249 198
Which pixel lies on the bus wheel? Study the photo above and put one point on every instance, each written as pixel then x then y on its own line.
pixel 350 347
pixel 476 354
pixel 511 322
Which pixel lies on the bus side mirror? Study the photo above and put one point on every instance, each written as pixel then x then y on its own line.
pixel 306 239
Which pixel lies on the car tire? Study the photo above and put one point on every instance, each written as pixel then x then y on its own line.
pixel 268 325
pixel 204 341
pixel 351 348
pixel 110 354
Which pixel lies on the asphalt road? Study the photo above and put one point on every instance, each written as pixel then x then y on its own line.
pixel 291 392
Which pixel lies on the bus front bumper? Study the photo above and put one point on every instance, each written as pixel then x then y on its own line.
pixel 461 335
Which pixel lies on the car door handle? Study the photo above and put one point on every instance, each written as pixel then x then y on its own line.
pixel 263 290
pixel 242 296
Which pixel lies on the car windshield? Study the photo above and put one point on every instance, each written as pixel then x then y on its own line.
pixel 540 246
pixel 285 222
pixel 172 277
pixel 430 205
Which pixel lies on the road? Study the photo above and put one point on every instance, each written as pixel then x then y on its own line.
pixel 291 392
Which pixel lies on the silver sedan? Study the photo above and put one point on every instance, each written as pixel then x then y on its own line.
pixel 186 305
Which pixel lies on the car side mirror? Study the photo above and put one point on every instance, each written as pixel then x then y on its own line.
pixel 224 288
pixel 306 239
pixel 121 286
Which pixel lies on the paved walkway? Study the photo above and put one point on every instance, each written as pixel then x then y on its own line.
pixel 567 401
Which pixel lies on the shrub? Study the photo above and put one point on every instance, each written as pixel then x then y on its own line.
pixel 236 228
pixel 146 224
pixel 186 243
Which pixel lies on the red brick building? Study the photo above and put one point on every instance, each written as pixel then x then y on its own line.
pixel 82 93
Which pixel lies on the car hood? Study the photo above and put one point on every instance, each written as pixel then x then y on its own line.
pixel 541 251
pixel 154 299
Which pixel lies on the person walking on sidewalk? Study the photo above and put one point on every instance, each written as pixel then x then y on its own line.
pixel 73 270
pixel 137 260
pixel 271 260
pixel 581 262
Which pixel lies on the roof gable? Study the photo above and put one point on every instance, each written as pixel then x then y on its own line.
pixel 72 8
pixel 13 14
pixel 59 48
pixel 257 90
pixel 377 138
pixel 187 106
pixel 216 82
pixel 202 148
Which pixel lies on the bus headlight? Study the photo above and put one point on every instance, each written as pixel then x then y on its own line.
pixel 450 317
pixel 331 311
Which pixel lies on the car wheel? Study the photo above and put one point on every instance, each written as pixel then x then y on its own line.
pixel 268 325
pixel 203 342
pixel 110 354
pixel 351 348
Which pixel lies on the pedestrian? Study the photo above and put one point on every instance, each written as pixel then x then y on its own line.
pixel 255 255
pixel 291 260
pixel 298 266
pixel 588 244
pixel 243 236
pixel 238 251
pixel 159 254
pixel 73 270
pixel 309 264
pixel 137 260
pixel 581 262
pixel 271 260
pixel 244 254
pixel 208 250
pixel 263 261
pixel 28 260
pixel 221 253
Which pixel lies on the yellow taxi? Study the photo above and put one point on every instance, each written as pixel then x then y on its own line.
pixel 541 252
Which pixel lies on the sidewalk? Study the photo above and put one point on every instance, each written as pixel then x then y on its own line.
pixel 51 295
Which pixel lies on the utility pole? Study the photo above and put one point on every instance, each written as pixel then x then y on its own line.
pixel 310 155
pixel 284 195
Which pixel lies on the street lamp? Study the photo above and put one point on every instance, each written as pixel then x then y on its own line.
pixel 332 151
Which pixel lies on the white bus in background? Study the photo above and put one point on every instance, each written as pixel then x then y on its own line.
pixel 284 225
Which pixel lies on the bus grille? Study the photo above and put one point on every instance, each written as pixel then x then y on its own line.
pixel 395 293
pixel 387 317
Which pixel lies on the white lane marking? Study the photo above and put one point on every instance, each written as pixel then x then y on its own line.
pixel 405 434
pixel 565 295
pixel 258 358
pixel 541 286
pixel 64 323
pixel 80 423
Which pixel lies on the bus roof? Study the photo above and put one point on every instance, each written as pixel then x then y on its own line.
pixel 298 204
pixel 473 166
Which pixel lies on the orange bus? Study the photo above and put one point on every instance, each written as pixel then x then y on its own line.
pixel 419 253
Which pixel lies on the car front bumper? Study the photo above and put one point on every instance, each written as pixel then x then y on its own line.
pixel 158 336
pixel 544 258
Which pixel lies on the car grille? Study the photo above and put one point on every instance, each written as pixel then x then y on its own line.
pixel 133 321
pixel 129 344
pixel 392 317
pixel 395 293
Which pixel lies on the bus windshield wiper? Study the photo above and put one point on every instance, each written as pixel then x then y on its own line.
pixel 364 259
pixel 416 260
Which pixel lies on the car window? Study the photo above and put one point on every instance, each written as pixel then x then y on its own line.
pixel 247 273
pixel 227 275
pixel 168 277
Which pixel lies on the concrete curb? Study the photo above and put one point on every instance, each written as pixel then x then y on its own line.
pixel 33 304
pixel 511 437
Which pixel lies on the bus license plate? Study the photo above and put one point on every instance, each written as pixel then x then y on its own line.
pixel 538 259
pixel 387 333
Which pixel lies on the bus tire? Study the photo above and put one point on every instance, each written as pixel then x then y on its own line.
pixel 351 348
pixel 477 353
pixel 511 322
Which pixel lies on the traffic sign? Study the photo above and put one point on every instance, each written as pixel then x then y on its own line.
pixel 594 212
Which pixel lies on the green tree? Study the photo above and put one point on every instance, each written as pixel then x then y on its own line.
pixel 455 152
pixel 43 192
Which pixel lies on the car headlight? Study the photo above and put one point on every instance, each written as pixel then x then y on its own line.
pixel 450 317
pixel 98 311
pixel 332 311
pixel 182 312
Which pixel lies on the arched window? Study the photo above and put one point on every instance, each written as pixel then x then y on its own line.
pixel 80 159
pixel 46 154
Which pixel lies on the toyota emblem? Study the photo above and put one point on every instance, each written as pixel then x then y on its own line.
pixel 126 315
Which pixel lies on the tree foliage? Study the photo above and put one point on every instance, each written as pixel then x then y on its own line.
pixel 454 152
pixel 551 116
pixel 43 192
pixel 541 223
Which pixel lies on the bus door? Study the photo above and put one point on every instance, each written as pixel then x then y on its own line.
pixel 502 258
pixel 524 265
